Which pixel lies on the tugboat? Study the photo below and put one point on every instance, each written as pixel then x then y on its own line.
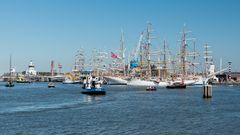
pixel 151 88
pixel 92 86
pixel 176 85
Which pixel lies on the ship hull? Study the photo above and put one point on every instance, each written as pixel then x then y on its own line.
pixel 115 80
pixel 138 82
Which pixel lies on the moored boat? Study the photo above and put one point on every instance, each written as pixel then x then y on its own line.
pixel 22 80
pixel 176 85
pixel 68 81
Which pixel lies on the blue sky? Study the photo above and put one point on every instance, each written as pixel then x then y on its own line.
pixel 45 30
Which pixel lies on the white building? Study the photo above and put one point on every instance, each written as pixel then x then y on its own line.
pixel 31 70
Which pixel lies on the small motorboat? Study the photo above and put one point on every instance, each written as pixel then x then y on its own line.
pixel 51 85
pixel 92 86
pixel 9 84
pixel 176 85
pixel 151 88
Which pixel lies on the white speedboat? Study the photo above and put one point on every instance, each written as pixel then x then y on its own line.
pixel 139 82
pixel 112 80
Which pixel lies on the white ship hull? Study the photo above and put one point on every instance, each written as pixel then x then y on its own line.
pixel 115 80
pixel 186 82
pixel 199 82
pixel 189 82
pixel 138 82
pixel 163 84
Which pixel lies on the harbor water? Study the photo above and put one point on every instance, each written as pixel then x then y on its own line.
pixel 35 109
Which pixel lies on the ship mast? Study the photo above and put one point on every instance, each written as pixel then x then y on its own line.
pixel 164 61
pixel 149 30
pixel 169 64
pixel 194 59
pixel 173 68
pixel 98 62
pixel 183 54
pixel 159 63
pixel 194 56
pixel 94 62
pixel 141 56
pixel 122 51
pixel 81 60
pixel 10 79
pixel 208 59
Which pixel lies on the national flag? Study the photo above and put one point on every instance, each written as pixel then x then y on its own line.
pixel 114 56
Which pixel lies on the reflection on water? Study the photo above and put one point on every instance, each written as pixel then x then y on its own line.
pixel 91 98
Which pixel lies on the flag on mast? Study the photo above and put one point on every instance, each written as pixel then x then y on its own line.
pixel 114 56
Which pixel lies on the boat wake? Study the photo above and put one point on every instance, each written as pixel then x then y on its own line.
pixel 38 108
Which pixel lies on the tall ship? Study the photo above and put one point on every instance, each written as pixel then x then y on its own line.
pixel 140 65
pixel 74 77
pixel 184 73
pixel 118 74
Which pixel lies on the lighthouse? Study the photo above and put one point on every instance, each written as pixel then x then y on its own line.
pixel 31 70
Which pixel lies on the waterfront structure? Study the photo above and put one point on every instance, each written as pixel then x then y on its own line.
pixel 31 70
pixel 224 77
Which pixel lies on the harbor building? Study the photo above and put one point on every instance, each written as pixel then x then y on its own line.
pixel 227 77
